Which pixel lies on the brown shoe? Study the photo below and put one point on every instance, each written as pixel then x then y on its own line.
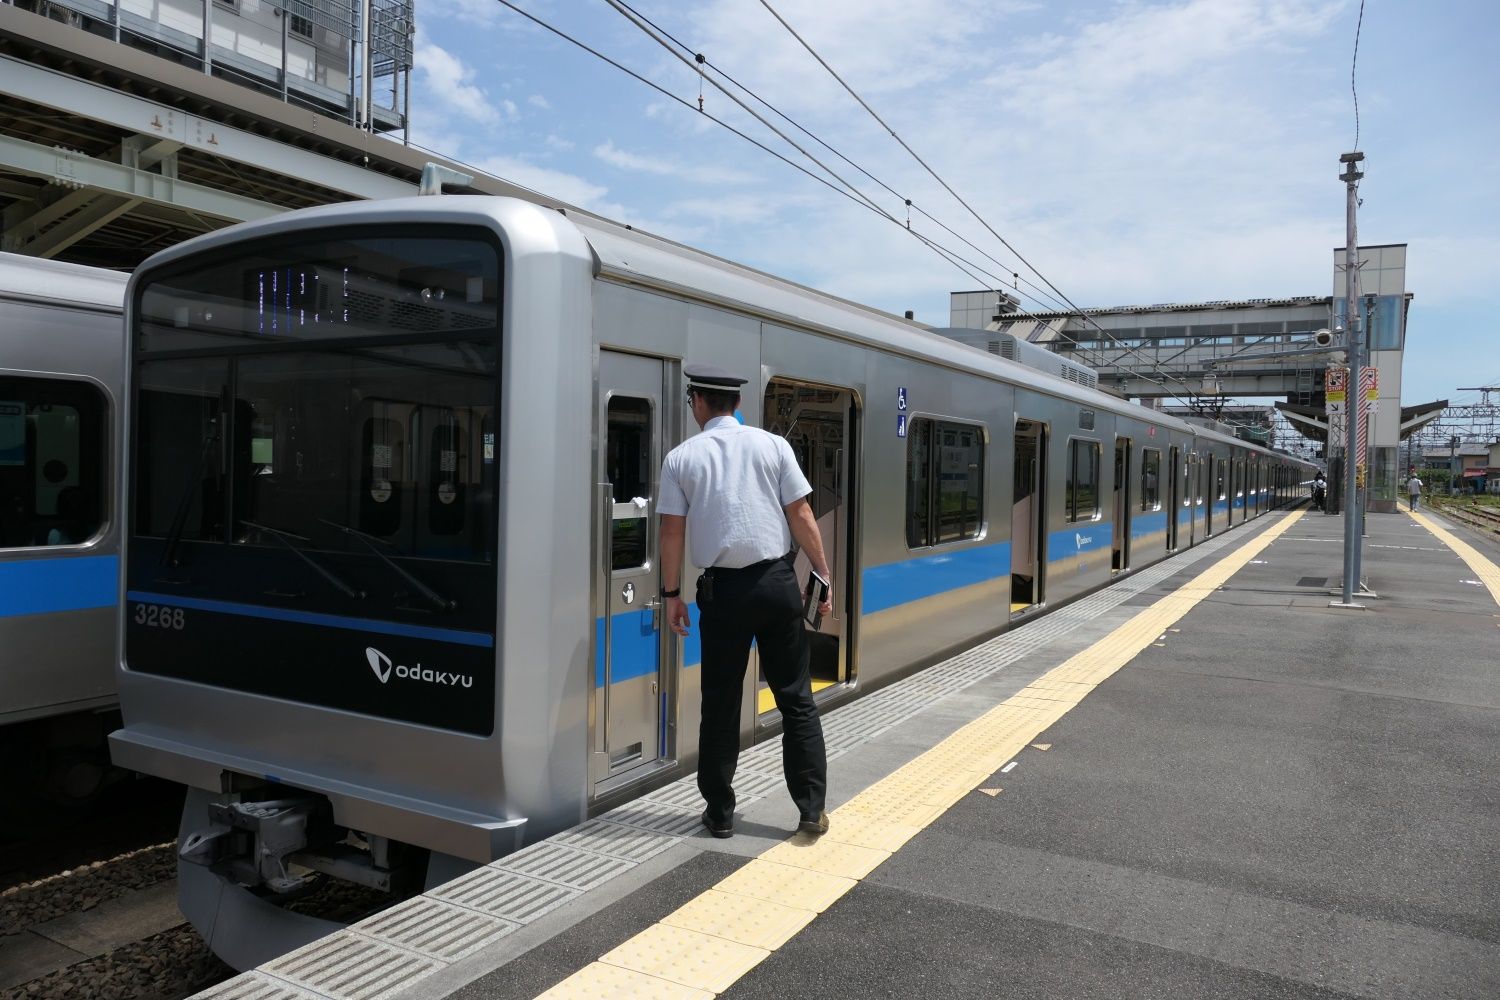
pixel 816 827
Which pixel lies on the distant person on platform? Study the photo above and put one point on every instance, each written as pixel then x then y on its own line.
pixel 1413 489
pixel 1319 491
pixel 740 495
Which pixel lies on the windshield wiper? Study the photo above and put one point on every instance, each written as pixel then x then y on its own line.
pixel 286 538
pixel 185 501
pixel 370 542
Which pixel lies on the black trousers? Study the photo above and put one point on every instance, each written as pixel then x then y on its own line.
pixel 763 603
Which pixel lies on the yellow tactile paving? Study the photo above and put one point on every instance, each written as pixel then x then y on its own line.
pixel 906 812
pixel 610 982
pixel 706 945
pixel 1487 572
pixel 831 857
pixel 686 957
pixel 759 923
pixel 870 831
pixel 788 884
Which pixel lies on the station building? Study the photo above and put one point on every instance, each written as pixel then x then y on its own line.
pixel 1218 352
pixel 128 126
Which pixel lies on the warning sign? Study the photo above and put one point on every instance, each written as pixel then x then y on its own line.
pixel 1335 388
pixel 1337 383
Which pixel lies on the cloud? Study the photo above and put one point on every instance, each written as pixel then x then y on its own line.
pixel 1446 270
pixel 559 184
pixel 538 101
pixel 632 161
pixel 736 209
pixel 449 84
pixel 662 167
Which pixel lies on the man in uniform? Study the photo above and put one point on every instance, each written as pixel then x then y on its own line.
pixel 740 490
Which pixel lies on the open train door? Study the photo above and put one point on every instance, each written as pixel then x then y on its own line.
pixel 821 423
pixel 1120 540
pixel 1028 555
pixel 1174 495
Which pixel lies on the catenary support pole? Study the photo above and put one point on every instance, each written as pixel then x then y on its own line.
pixel 1353 342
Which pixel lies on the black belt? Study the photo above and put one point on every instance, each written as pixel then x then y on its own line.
pixel 763 564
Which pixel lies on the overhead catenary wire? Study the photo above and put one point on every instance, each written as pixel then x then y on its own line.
pixel 697 62
pixel 1353 65
pixel 967 267
pixel 703 61
pixel 958 198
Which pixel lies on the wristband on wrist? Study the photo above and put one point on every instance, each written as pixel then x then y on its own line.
pixel 675 592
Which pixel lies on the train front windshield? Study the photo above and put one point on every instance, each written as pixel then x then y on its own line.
pixel 313 468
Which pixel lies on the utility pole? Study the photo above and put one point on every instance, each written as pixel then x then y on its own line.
pixel 1353 343
pixel 1453 469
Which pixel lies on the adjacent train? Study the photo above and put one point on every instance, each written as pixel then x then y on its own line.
pixel 60 377
pixel 389 546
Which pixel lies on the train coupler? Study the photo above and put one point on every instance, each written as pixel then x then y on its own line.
pixel 250 842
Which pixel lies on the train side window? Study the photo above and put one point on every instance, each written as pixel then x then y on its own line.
pixel 52 461
pixel 1219 488
pixel 1151 479
pixel 628 462
pixel 944 482
pixel 1083 480
pixel 918 485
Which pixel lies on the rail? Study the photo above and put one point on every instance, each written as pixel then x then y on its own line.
pixel 1470 511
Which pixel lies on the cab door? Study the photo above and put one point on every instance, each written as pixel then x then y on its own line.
pixel 629 700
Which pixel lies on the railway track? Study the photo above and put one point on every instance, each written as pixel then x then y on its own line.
pixel 88 900
pixel 1475 515
pixel 109 929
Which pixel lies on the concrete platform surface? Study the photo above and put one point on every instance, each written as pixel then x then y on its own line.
pixel 1202 782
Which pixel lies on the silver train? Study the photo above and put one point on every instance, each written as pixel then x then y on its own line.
pixel 60 378
pixel 390 576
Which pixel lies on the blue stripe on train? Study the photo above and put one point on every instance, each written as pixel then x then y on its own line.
pixel 1086 536
pixel 1142 525
pixel 314 618
pixel 927 576
pixel 636 645
pixel 44 586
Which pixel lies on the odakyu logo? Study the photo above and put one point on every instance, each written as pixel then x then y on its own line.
pixel 1082 540
pixel 384 667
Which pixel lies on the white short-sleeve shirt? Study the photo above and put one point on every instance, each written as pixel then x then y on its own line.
pixel 731 482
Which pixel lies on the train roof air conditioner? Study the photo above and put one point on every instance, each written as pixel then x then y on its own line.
pixel 1023 352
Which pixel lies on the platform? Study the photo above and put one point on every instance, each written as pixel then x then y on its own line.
pixel 1202 781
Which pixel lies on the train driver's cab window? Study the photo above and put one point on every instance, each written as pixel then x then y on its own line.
pixel 944 482
pixel 381 453
pixel 1083 481
pixel 1151 479
pixel 52 474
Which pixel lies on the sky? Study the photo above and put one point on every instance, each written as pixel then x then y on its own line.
pixel 1133 152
